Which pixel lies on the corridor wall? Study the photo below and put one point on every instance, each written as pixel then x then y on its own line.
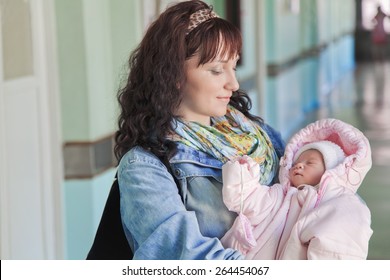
pixel 94 39
pixel 308 51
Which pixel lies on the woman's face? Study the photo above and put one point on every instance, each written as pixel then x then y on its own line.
pixel 207 89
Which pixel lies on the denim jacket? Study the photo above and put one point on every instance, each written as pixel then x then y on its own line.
pixel 165 221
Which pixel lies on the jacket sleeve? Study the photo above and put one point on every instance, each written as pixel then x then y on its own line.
pixel 240 236
pixel 157 224
pixel 243 194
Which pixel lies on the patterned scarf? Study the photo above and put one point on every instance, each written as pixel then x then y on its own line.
pixel 231 136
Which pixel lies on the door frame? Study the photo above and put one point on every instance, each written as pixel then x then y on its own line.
pixel 51 170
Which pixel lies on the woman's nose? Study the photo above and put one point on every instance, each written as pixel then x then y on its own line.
pixel 232 83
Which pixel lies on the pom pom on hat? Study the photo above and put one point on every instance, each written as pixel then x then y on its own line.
pixel 332 153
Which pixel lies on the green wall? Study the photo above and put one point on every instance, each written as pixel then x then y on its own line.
pixel 94 39
pixel 72 69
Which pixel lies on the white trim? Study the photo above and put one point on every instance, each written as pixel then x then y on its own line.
pixel 51 170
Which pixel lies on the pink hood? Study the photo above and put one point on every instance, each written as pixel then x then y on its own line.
pixel 350 173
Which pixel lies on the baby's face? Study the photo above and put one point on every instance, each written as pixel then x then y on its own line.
pixel 307 169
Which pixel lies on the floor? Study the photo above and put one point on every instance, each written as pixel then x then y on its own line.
pixel 362 98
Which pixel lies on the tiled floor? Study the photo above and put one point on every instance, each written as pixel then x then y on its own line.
pixel 362 98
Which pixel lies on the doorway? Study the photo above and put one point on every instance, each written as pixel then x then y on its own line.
pixel 30 143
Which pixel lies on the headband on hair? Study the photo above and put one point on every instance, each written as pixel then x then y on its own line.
pixel 198 17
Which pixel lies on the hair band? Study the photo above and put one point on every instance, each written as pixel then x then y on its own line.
pixel 199 17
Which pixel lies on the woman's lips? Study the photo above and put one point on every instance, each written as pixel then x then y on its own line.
pixel 224 98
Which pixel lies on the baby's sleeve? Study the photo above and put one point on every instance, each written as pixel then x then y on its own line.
pixel 240 235
pixel 242 192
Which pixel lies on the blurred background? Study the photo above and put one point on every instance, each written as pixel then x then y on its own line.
pixel 62 61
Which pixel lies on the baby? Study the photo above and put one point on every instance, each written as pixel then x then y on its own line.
pixel 314 213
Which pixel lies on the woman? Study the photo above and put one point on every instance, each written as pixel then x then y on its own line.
pixel 182 116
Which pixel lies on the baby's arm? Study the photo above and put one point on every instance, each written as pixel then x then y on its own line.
pixel 242 192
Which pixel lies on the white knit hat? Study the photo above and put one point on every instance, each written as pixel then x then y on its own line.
pixel 332 153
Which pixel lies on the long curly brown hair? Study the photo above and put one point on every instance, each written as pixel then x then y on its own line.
pixel 151 96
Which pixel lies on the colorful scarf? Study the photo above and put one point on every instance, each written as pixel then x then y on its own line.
pixel 231 136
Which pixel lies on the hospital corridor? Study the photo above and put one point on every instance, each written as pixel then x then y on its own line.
pixel 362 98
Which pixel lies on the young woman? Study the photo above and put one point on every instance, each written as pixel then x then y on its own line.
pixel 182 117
